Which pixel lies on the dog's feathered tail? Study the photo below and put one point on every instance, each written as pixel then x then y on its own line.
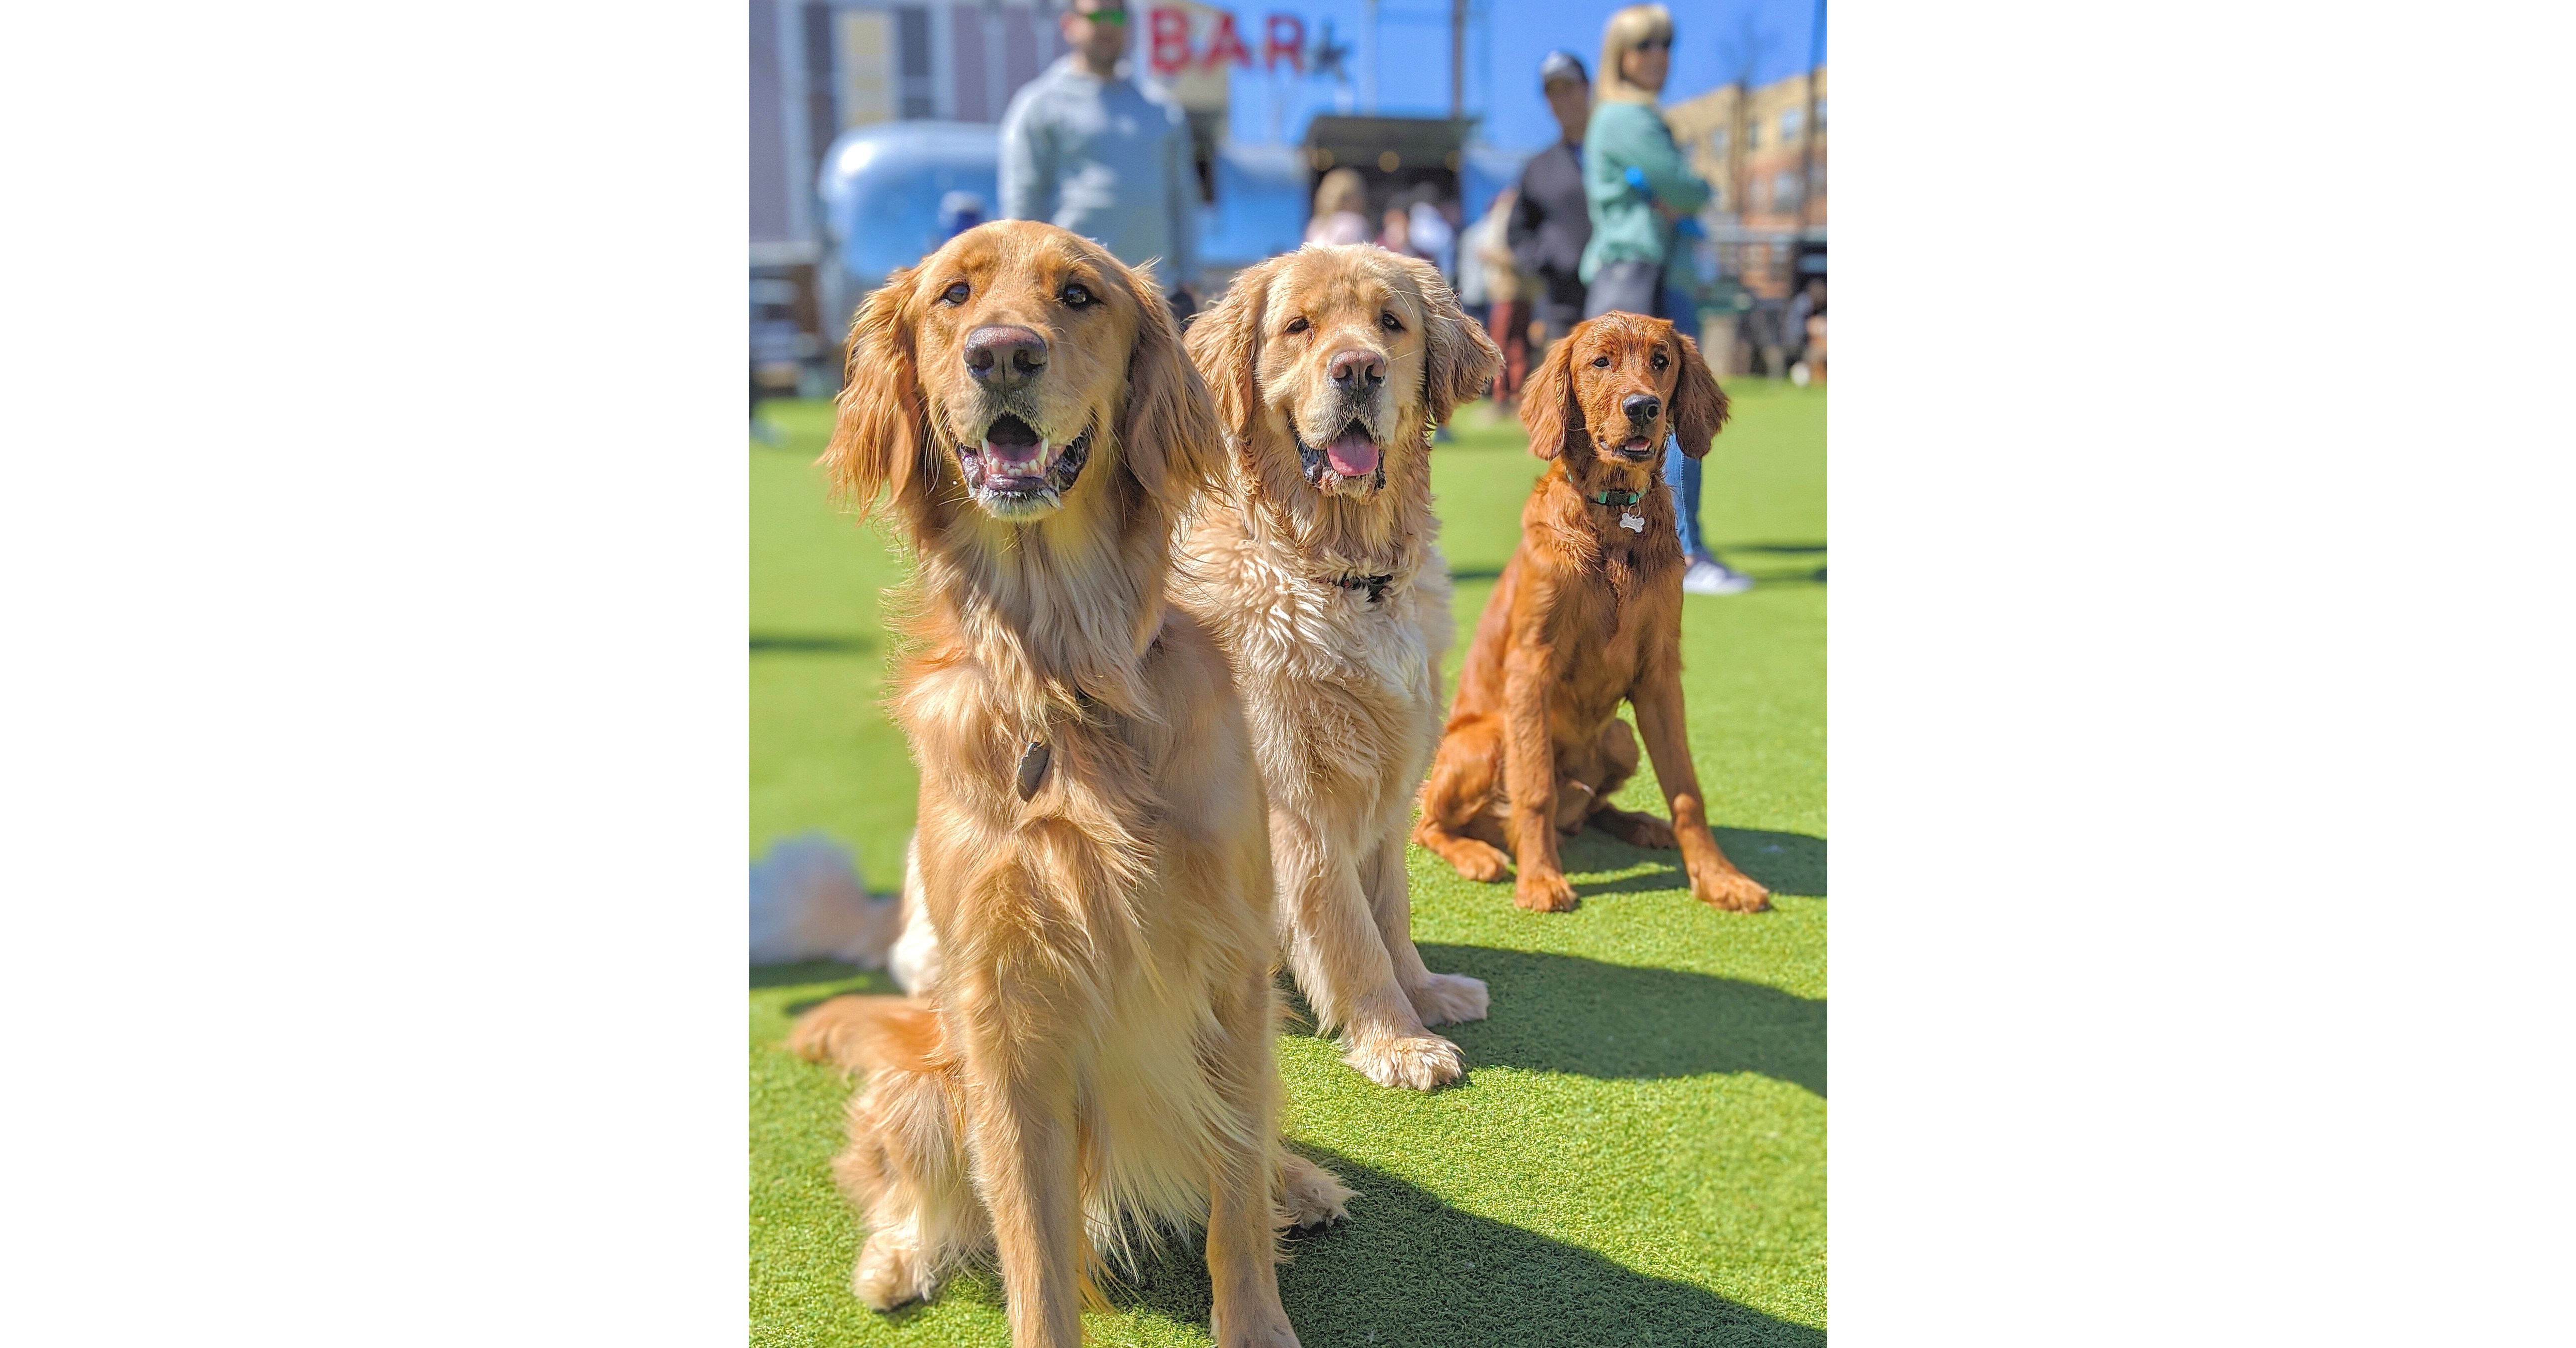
pixel 871 1035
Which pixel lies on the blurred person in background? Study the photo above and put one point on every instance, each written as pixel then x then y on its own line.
pixel 1470 284
pixel 1105 155
pixel 1552 217
pixel 1763 327
pixel 1804 333
pixel 1432 225
pixel 1395 232
pixel 1634 177
pixel 1816 336
pixel 1488 267
pixel 1341 209
pixel 1640 188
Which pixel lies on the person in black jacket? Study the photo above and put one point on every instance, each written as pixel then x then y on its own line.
pixel 1553 222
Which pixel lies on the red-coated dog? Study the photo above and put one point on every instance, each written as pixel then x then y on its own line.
pixel 1588 613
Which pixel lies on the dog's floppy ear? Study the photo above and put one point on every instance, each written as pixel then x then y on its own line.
pixel 878 441
pixel 1168 435
pixel 1459 358
pixel 1225 344
pixel 1547 401
pixel 1699 405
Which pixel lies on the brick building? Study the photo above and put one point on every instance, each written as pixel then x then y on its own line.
pixel 820 67
pixel 1753 148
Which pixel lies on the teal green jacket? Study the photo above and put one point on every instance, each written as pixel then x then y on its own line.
pixel 1625 227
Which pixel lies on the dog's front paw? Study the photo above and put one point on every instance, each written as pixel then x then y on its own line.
pixel 1311 1195
pixel 1413 1062
pixel 1446 999
pixel 1543 892
pixel 1268 1331
pixel 1480 861
pixel 891 1272
pixel 1730 892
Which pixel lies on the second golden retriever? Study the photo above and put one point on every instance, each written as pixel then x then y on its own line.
pixel 1315 562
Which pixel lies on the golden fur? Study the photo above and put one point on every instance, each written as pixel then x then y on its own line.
pixel 1340 681
pixel 1587 614
pixel 1093 1060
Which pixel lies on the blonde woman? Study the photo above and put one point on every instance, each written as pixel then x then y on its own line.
pixel 1341 209
pixel 1639 185
pixel 1633 174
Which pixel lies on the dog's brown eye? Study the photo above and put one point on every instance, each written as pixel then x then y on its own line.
pixel 955 294
pixel 1600 362
pixel 1295 326
pixel 1076 297
pixel 1390 323
pixel 1662 360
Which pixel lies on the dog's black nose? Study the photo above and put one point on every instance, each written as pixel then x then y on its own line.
pixel 1005 355
pixel 1642 407
pixel 1356 369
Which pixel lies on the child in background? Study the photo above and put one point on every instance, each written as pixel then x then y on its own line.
pixel 1341 206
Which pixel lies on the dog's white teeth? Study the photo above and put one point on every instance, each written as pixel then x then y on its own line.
pixel 1045 456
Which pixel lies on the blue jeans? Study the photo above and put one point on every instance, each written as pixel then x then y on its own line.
pixel 1627 287
pixel 1681 473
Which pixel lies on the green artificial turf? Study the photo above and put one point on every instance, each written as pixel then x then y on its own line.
pixel 1637 1154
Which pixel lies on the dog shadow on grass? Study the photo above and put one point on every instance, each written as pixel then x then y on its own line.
pixel 850 978
pixel 1784 863
pixel 1406 1270
pixel 1564 1013
pixel 796 643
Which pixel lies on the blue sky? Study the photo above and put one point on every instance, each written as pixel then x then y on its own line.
pixel 1413 57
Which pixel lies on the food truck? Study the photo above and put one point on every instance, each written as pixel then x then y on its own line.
pixel 881 187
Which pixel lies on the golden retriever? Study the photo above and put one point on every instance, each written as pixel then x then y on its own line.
pixel 1094 1059
pixel 1316 564
pixel 1588 613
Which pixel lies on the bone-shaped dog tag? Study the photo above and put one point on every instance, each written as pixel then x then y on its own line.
pixel 1635 524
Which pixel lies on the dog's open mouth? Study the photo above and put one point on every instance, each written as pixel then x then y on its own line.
pixel 1351 456
pixel 1016 473
pixel 1638 449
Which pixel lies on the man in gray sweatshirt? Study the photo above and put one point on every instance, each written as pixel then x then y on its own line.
pixel 1104 155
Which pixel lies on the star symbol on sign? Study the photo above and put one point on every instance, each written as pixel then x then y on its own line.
pixel 1328 56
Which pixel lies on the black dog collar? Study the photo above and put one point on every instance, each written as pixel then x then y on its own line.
pixel 1375 585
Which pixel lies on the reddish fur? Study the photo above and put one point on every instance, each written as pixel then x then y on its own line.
pixel 1587 615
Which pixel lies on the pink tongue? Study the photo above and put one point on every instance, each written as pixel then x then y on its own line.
pixel 1352 456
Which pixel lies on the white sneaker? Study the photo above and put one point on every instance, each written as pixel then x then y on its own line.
pixel 1708 575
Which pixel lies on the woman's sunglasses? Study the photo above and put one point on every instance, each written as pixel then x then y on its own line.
pixel 1655 44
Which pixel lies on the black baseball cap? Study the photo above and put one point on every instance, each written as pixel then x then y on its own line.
pixel 1560 65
